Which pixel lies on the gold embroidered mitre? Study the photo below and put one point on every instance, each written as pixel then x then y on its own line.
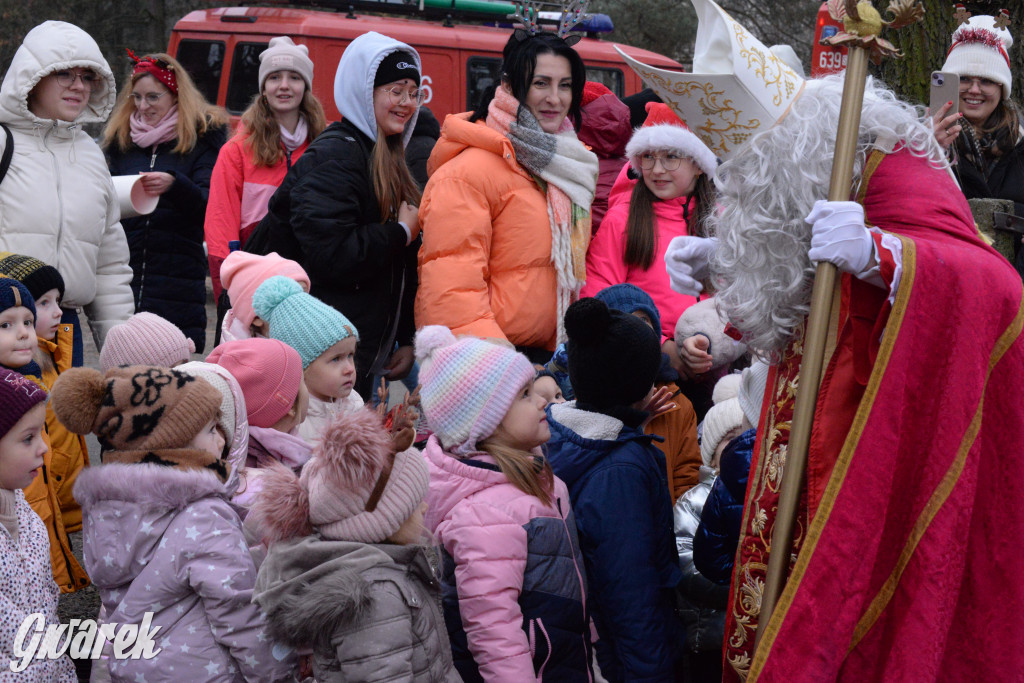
pixel 738 86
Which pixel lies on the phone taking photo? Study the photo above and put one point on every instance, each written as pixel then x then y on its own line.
pixel 945 88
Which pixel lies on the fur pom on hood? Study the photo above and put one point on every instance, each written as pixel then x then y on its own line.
pixel 280 509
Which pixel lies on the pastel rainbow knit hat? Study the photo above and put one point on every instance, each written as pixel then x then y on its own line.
pixel 466 386
pixel 300 320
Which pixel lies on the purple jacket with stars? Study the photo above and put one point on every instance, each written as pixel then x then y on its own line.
pixel 165 540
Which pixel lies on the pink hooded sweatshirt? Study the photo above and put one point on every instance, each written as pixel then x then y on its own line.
pixel 605 264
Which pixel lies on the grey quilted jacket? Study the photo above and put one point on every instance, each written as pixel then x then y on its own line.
pixel 369 612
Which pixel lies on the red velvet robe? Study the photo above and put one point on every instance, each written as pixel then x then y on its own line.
pixel 912 520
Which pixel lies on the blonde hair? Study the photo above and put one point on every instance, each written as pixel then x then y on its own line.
pixel 392 181
pixel 195 115
pixel 528 472
pixel 264 141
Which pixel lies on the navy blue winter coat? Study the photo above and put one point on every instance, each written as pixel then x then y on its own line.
pixel 714 545
pixel 167 257
pixel 616 480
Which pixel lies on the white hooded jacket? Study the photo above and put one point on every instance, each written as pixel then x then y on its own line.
pixel 57 202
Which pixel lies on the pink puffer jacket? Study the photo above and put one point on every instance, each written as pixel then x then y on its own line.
pixel 513 573
pixel 605 258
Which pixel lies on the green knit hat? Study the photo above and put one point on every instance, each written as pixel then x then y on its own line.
pixel 300 320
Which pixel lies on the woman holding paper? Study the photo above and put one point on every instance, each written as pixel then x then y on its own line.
pixel 163 129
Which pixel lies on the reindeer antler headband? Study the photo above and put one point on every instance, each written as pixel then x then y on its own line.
pixel 527 15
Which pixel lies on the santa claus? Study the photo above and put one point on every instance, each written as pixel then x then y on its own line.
pixel 908 521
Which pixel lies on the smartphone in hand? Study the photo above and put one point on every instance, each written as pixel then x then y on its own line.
pixel 945 87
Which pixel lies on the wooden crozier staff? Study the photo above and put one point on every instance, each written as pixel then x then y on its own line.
pixel 862 25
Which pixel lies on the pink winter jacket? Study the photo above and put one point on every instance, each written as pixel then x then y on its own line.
pixel 493 534
pixel 605 264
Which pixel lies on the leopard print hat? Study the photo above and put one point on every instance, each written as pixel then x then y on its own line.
pixel 144 413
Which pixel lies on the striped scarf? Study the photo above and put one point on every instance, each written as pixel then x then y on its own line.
pixel 567 171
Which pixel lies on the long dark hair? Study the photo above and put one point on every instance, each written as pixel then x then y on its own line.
pixel 519 59
pixel 641 238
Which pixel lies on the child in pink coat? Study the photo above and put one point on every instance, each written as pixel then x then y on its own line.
pixel 514 591
pixel 674 193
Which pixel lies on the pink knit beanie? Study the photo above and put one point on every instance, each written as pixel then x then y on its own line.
pixel 241 273
pixel 354 488
pixel 466 386
pixel 145 339
pixel 357 490
pixel 269 372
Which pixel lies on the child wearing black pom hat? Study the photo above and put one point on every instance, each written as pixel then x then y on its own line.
pixel 617 483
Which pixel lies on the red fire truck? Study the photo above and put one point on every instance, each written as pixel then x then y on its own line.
pixel 220 48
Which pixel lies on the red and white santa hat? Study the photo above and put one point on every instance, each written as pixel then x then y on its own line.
pixel 663 130
pixel 981 49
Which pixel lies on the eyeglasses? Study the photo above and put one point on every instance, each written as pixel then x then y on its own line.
pixel 150 97
pixel 399 96
pixel 66 79
pixel 669 162
pixel 982 83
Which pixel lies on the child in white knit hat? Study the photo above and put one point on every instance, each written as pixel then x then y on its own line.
pixel 345 574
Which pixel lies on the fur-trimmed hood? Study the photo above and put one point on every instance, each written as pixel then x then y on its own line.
pixel 127 509
pixel 298 575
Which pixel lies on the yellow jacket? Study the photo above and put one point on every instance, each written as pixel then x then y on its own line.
pixel 41 495
pixel 69 451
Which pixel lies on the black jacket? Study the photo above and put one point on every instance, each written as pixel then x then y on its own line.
pixel 167 257
pixel 325 216
pixel 1005 181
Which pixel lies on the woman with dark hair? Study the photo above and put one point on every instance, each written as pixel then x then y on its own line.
pixel 346 211
pixel 164 129
pixel 986 136
pixel 506 213
pixel 277 127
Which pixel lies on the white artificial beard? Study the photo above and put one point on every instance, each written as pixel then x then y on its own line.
pixel 761 270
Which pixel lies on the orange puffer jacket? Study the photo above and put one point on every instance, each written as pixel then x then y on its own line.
pixel 485 266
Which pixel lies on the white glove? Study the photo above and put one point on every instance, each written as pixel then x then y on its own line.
pixel 686 260
pixel 838 235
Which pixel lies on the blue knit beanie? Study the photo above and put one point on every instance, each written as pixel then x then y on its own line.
pixel 630 299
pixel 13 293
pixel 300 320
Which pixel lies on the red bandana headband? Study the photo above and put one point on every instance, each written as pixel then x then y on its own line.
pixel 155 67
pixel 979 35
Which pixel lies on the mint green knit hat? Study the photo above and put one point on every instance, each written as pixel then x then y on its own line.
pixel 300 320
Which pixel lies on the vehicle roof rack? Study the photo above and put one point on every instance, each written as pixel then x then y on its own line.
pixel 476 11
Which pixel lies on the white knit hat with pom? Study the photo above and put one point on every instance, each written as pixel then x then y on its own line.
pixel 981 49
